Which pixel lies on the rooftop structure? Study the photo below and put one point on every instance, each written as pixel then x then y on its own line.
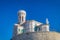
pixel 24 26
pixel 32 30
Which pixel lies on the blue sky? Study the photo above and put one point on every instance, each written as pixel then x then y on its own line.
pixel 37 10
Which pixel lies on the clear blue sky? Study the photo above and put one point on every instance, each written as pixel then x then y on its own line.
pixel 36 9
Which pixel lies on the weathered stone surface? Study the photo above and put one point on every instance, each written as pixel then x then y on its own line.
pixel 38 36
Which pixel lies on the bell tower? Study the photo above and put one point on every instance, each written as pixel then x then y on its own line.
pixel 21 16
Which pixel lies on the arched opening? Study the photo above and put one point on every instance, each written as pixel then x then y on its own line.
pixel 22 18
pixel 37 28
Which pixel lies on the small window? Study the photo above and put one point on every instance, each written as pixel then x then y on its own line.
pixel 35 28
pixel 19 29
pixel 22 18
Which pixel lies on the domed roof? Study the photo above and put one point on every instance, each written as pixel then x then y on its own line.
pixel 20 12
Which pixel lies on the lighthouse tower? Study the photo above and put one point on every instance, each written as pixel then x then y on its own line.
pixel 21 16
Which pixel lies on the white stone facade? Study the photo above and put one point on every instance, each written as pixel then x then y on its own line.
pixel 24 26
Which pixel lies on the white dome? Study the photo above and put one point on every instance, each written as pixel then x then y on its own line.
pixel 21 11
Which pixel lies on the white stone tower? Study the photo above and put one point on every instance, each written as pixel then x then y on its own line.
pixel 21 16
pixel 18 29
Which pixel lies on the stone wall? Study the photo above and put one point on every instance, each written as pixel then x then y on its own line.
pixel 38 36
